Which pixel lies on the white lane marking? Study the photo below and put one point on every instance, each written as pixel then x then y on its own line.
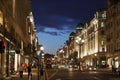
pixel 97 78
pixel 58 79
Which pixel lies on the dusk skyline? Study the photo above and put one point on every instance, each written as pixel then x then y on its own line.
pixel 56 19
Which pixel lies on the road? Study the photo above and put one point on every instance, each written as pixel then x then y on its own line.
pixel 65 74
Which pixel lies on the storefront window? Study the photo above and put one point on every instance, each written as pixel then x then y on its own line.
pixel 1 18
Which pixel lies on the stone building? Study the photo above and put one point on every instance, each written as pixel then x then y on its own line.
pixel 113 32
pixel 17 31
pixel 89 42
pixel 94 44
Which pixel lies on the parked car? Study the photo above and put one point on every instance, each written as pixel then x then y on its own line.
pixel 91 68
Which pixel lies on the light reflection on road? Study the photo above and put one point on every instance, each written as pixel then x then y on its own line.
pixel 92 72
pixel 58 79
pixel 66 74
pixel 96 78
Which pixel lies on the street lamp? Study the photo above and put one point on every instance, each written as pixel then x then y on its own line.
pixel 38 53
pixel 39 50
pixel 62 55
pixel 79 41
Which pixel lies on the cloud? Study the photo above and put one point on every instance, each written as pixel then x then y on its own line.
pixel 56 21
pixel 56 24
pixel 53 31
pixel 62 15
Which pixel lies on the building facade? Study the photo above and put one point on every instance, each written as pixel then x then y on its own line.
pixel 112 32
pixel 94 44
pixel 87 46
pixel 17 32
pixel 97 42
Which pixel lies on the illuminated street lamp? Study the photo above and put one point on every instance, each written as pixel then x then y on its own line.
pixel 79 41
pixel 62 55
pixel 39 54
pixel 41 48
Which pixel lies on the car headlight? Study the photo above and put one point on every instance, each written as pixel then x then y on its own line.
pixel 70 66
pixel 75 65
pixel 90 68
pixel 94 68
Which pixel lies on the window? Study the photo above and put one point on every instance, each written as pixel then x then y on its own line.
pixel 102 24
pixel 104 14
pixel 103 42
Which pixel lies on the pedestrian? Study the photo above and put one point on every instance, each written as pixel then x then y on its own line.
pixel 25 67
pixel 113 68
pixel 29 71
pixel 11 68
pixel 119 70
pixel 20 69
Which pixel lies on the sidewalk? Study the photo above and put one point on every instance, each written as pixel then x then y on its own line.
pixel 47 73
pixel 25 76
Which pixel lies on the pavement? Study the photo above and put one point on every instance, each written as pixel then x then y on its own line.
pixel 47 73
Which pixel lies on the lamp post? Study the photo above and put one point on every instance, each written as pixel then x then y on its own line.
pixel 79 41
pixel 62 55
pixel 39 50
pixel 7 62
pixel 38 53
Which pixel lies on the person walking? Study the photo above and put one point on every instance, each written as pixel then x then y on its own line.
pixel 119 70
pixel 20 69
pixel 11 68
pixel 25 67
pixel 29 72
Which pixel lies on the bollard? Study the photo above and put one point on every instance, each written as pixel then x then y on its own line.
pixel 30 77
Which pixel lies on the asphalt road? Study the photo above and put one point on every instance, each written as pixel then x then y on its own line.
pixel 65 74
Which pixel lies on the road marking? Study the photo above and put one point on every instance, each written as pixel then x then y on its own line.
pixel 58 79
pixel 115 79
pixel 53 75
pixel 97 78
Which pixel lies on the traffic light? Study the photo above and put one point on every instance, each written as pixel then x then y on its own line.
pixel 2 46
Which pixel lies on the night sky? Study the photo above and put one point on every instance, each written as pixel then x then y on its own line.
pixel 56 19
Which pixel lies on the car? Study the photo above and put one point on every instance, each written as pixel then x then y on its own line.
pixel 73 67
pixel 91 68
pixel 61 66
